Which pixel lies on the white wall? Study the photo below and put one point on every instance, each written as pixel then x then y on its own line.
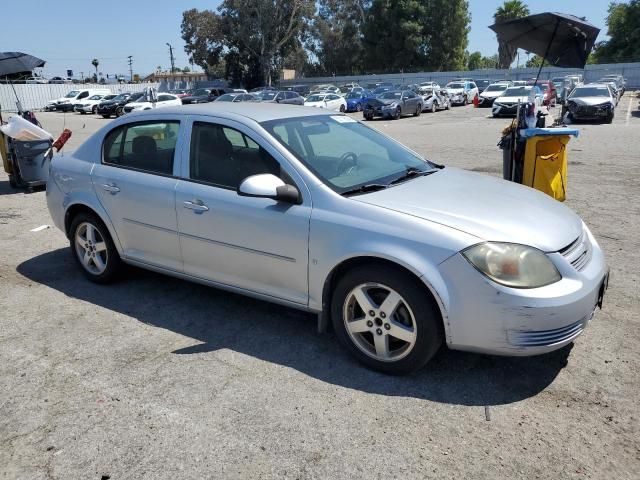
pixel 35 97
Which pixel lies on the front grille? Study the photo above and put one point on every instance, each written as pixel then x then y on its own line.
pixel 542 338
pixel 586 110
pixel 578 252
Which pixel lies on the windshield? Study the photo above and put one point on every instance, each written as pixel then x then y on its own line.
pixel 267 95
pixel 315 98
pixel 95 97
pixel 344 153
pixel 590 92
pixel 72 94
pixel 354 95
pixel 225 98
pixel 496 88
pixel 517 92
pixel 391 95
pixel 455 85
pixel 122 96
pixel 201 92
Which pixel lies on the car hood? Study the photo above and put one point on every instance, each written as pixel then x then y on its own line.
pixel 590 100
pixel 486 94
pixel 487 207
pixel 521 99
pixel 377 102
pixel 454 91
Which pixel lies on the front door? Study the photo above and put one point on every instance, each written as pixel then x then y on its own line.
pixel 136 186
pixel 256 244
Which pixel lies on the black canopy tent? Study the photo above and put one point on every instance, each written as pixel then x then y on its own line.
pixel 12 63
pixel 562 40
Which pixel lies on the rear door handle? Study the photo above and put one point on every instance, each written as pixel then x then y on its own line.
pixel 196 205
pixel 111 188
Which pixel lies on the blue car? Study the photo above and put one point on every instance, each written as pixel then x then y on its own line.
pixel 355 100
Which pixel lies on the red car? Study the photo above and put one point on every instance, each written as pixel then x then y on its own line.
pixel 550 94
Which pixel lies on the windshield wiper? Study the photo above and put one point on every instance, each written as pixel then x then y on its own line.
pixel 410 172
pixel 366 188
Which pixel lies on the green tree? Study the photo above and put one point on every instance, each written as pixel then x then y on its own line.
pixel 336 35
pixel 535 61
pixel 186 70
pixel 95 64
pixel 511 9
pixel 203 36
pixel 413 34
pixel 623 26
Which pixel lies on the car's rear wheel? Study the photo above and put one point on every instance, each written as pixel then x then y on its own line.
pixel 93 248
pixel 386 319
pixel 119 111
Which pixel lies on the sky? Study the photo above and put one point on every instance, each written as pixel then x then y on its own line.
pixel 68 34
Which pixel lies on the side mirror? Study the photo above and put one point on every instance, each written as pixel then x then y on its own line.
pixel 266 185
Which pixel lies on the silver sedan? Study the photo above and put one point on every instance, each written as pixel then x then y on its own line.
pixel 312 209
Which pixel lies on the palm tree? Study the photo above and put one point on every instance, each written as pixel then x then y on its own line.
pixel 95 64
pixel 509 10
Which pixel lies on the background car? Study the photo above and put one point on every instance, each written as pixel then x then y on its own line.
pixel 302 90
pixel 331 101
pixel 355 100
pixel 507 103
pixel 90 105
pixel 164 100
pixel 493 91
pixel 236 97
pixel 483 84
pixel 325 88
pixel 116 105
pixel 434 99
pixel 620 82
pixel 549 94
pixel 393 104
pixel 203 95
pixel 283 96
pixel 181 92
pixel 36 80
pixel 461 92
pixel 594 101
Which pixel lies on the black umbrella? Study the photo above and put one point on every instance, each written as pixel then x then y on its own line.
pixel 18 62
pixel 562 40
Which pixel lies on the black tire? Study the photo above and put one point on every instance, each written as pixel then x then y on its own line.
pixel 433 107
pixel 418 110
pixel 82 112
pixel 358 108
pixel 398 113
pixel 113 262
pixel 429 330
pixel 119 111
pixel 609 118
pixel 466 100
pixel 94 110
pixel 342 109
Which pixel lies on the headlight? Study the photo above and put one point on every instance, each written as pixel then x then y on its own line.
pixel 513 265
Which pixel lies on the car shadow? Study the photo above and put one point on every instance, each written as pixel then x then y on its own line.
pixel 217 319
pixel 7 189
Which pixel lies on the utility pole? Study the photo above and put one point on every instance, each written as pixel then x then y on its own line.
pixel 130 57
pixel 172 58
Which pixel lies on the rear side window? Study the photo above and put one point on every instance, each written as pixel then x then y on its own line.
pixel 148 146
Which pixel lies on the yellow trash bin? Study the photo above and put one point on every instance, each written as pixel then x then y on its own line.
pixel 545 165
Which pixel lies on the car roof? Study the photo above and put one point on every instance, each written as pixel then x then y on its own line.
pixel 259 112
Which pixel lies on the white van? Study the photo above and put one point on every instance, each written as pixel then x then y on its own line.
pixel 65 104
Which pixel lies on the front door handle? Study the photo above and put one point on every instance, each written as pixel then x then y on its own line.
pixel 196 205
pixel 111 188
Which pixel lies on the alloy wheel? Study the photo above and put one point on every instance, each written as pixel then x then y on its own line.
pixel 91 248
pixel 380 322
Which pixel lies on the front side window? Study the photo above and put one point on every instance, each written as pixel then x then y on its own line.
pixel 224 156
pixel 148 146
pixel 342 152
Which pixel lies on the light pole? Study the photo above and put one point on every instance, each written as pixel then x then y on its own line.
pixel 130 57
pixel 171 57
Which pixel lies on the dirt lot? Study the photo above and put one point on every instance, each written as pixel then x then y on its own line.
pixel 158 378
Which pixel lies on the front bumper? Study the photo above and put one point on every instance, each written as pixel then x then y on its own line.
pixel 587 112
pixel 486 101
pixel 456 99
pixel 500 109
pixel 64 107
pixel 483 316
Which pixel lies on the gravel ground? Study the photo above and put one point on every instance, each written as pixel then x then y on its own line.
pixel 159 378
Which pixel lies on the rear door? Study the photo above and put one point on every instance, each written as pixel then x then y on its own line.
pixel 135 183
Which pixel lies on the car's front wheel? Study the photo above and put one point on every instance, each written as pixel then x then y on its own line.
pixel 358 107
pixel 93 248
pixel 342 109
pixel 386 319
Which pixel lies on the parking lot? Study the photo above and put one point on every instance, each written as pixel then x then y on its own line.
pixel 155 377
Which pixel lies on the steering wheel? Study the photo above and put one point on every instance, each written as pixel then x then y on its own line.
pixel 347 162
